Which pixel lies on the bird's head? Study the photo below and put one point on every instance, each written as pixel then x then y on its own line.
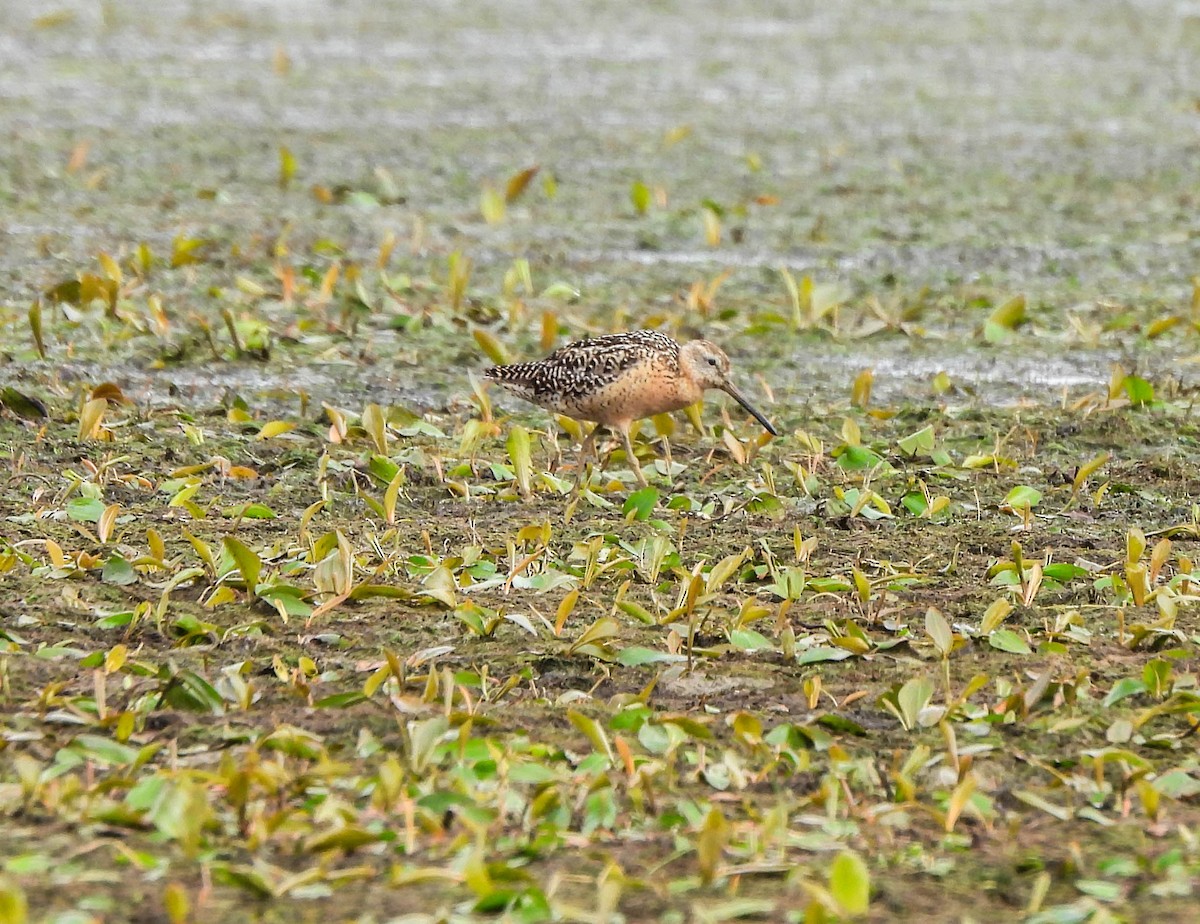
pixel 706 364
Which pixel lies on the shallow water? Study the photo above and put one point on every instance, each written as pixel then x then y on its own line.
pixel 933 145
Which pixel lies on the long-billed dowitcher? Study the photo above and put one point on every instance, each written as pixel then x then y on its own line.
pixel 619 378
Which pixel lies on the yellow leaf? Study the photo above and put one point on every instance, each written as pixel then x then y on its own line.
pixel 385 250
pixel 373 422
pixel 735 447
pixel 79 154
pixel 958 801
pixel 35 327
pixel 850 883
pixel 111 269
pixel 390 496
pixel 1089 468
pixel 676 135
pixel 1161 326
pixel 274 428
pixel 860 394
pixel 287 167
pixel 518 182
pixel 712 227
pixel 158 551
pixel 490 345
pixel 175 901
pixel 520 455
pixel 90 417
pixel 565 608
pixel 491 204
pixel 1009 315
pixel 710 843
pixel 104 525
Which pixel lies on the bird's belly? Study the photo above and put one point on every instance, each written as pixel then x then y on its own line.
pixel 629 399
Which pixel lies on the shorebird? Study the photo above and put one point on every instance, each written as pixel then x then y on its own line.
pixel 619 378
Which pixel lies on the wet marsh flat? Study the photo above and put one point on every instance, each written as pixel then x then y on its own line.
pixel 297 622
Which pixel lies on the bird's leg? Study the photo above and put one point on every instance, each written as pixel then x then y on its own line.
pixel 633 462
pixel 587 448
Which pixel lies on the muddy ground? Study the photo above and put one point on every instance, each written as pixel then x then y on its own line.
pixel 285 637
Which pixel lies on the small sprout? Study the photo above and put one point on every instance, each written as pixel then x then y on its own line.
pixel 457 277
pixel 35 327
pixel 287 167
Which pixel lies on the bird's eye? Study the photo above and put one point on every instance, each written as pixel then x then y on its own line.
pixel 711 360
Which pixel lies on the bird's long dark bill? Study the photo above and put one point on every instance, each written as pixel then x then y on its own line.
pixel 755 412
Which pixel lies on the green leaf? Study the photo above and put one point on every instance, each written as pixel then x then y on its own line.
pixel 1124 688
pixel 1140 391
pixel 749 640
pixel 921 441
pixel 822 653
pixel 1064 571
pixel 104 750
pixel 257 512
pixel 290 597
pixel 640 504
pixel 1005 319
pixel 914 696
pixel 1099 888
pixel 939 632
pixel 635 656
pixel 287 167
pixel 850 883
pixel 1008 640
pixel 247 561
pixel 856 458
pixel 639 195
pixel 1177 784
pixel 1022 497
pixel 118 571
pixel 188 690
pixel 85 509
pixel 592 730
pixel 520 454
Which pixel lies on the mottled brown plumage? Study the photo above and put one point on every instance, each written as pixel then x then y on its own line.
pixel 617 379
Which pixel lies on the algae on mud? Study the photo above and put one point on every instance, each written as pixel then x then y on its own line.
pixel 281 640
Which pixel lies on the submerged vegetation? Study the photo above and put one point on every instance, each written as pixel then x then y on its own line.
pixel 300 622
